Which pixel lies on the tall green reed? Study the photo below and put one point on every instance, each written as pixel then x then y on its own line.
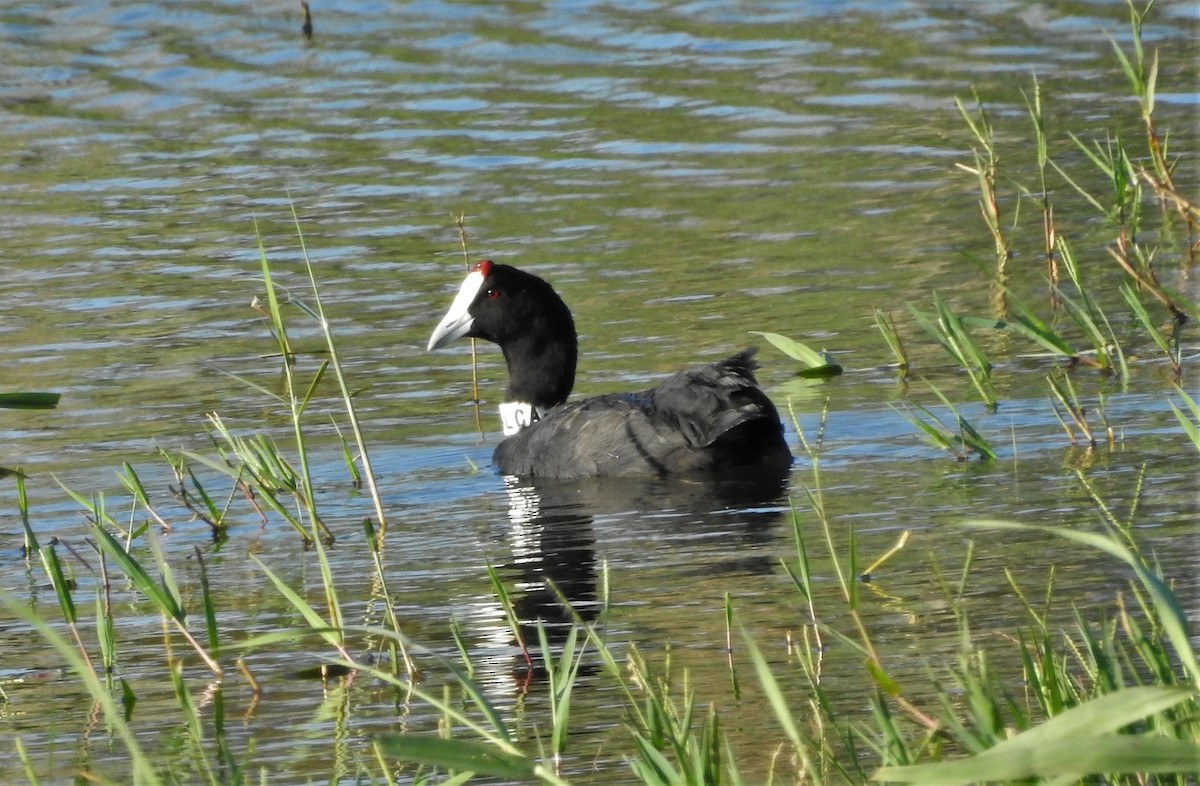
pixel 1041 139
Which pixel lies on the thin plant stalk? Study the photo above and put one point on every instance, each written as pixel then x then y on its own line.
pixel 985 163
pixel 887 328
pixel 1049 231
pixel 397 646
pixel 1065 396
pixel 460 221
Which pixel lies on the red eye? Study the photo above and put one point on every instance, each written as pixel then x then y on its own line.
pixel 493 294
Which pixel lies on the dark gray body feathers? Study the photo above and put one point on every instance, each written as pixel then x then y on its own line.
pixel 700 420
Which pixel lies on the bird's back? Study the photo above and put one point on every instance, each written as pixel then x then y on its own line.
pixel 704 419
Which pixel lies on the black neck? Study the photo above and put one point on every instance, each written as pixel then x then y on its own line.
pixel 541 367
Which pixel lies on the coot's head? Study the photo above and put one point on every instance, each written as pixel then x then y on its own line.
pixel 530 322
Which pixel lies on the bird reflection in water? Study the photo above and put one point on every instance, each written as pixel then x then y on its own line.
pixel 555 527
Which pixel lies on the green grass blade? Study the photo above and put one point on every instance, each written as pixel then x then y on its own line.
pixel 969 352
pixel 652 767
pixel 1022 320
pixel 1075 743
pixel 93 506
pixel 454 754
pixel 210 505
pixel 1143 316
pixel 26 764
pixel 562 676
pixel 191 716
pixel 156 592
pixel 937 436
pixel 510 612
pixel 1083 192
pixel 208 606
pixel 770 686
pixel 347 395
pixel 106 637
pixel 930 326
pixel 54 570
pixel 735 687
pixel 1084 316
pixel 314 619
pixel 166 577
pixel 887 327
pixel 1192 429
pixel 497 735
pixel 1068 760
pixel 31 541
pixel 312 386
pixel 271 394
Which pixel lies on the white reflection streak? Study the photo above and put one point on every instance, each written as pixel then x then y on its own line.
pixel 524 511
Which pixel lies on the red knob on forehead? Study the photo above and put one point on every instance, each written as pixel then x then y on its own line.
pixel 484 267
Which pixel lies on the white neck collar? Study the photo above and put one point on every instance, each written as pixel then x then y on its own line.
pixel 516 415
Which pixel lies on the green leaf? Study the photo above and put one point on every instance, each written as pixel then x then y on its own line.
pixel 62 587
pixel 966 350
pixel 822 372
pixel 29 400
pixel 1139 310
pixel 986 323
pixel 1189 427
pixel 456 755
pixel 930 325
pixel 158 593
pixel 1070 759
pixel 1023 320
pixel 774 693
pixel 652 767
pixel 887 327
pixel 1075 743
pixel 881 678
pixel 314 619
pixel 938 435
pixel 128 699
pixel 794 349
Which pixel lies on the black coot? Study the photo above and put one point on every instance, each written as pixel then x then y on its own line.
pixel 704 419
